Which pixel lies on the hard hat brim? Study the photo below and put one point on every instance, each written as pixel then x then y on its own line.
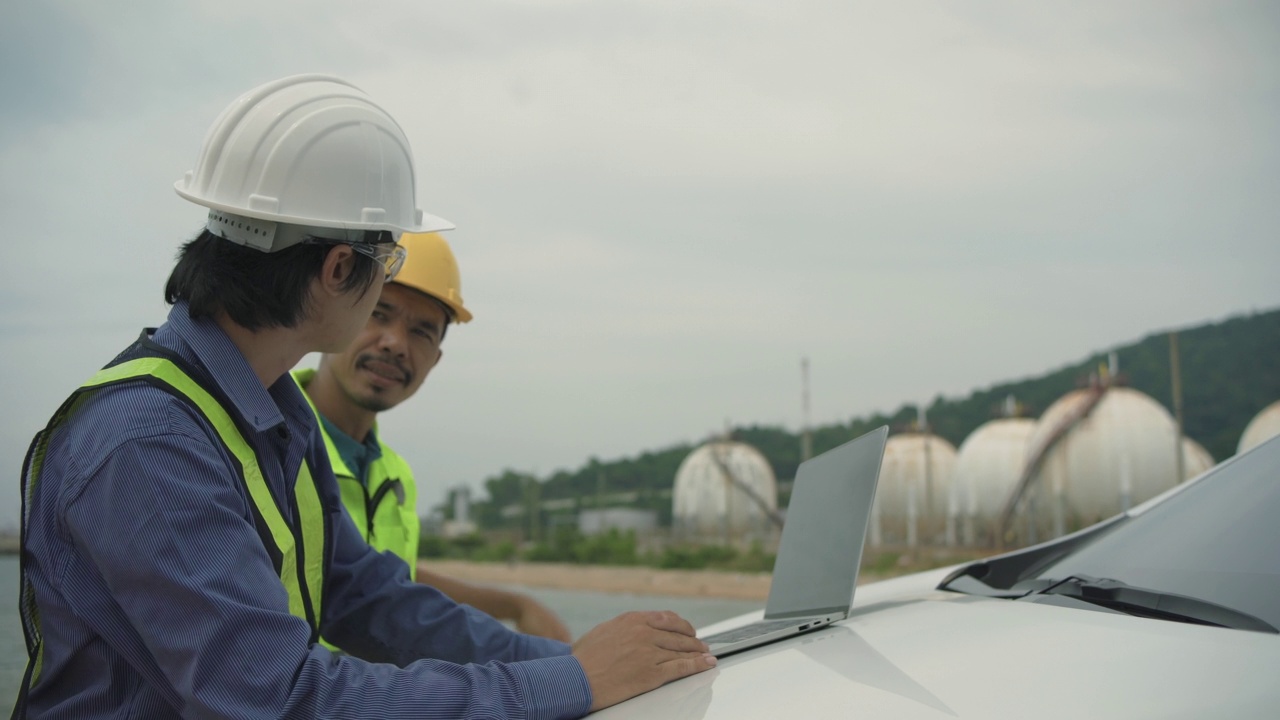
pixel 429 223
pixel 457 313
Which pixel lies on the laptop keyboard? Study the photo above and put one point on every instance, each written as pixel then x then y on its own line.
pixel 749 631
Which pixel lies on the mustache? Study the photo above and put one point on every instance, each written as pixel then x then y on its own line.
pixel 364 359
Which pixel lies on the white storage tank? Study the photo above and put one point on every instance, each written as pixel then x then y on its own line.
pixel 1195 459
pixel 1094 453
pixel 914 495
pixel 724 490
pixel 1264 426
pixel 988 465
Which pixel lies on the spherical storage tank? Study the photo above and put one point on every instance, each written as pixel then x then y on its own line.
pixel 1094 453
pixel 1264 426
pixel 709 499
pixel 987 469
pixel 913 496
pixel 1195 459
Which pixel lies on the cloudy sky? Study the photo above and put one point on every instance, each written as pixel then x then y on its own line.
pixel 662 206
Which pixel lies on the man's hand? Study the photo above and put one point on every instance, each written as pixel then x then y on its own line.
pixel 533 618
pixel 637 652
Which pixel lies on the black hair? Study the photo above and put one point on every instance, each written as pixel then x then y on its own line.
pixel 257 289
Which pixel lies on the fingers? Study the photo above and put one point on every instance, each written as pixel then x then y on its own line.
pixel 686 664
pixel 667 620
pixel 672 632
pixel 676 642
pixel 637 652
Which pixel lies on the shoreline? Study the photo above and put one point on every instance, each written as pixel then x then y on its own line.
pixel 637 580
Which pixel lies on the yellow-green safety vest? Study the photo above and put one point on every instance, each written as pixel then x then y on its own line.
pixel 298 549
pixel 386 509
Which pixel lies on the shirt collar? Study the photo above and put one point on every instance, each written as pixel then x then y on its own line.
pixel 357 456
pixel 345 452
pixel 228 368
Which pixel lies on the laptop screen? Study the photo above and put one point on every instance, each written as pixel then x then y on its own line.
pixel 826 526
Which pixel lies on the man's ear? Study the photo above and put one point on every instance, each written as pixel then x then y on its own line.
pixel 338 265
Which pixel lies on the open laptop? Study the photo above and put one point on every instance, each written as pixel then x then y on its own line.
pixel 821 548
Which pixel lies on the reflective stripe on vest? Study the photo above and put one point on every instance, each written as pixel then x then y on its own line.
pixel 297 550
pixel 304 602
pixel 386 510
pixel 384 507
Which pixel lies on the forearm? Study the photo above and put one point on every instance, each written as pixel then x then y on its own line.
pixel 205 620
pixel 531 617
pixel 500 604
pixel 375 612
pixel 545 688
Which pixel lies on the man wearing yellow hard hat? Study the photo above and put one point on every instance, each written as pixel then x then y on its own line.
pixel 384 366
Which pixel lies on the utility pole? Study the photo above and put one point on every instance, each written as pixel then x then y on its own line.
pixel 1175 377
pixel 532 498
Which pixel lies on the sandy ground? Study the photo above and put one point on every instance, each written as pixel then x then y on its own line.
pixel 601 578
pixel 638 580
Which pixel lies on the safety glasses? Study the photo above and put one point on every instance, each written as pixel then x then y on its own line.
pixel 389 256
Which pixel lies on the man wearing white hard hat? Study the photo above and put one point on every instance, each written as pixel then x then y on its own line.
pixel 384 366
pixel 184 543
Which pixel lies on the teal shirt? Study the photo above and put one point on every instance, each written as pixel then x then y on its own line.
pixel 358 456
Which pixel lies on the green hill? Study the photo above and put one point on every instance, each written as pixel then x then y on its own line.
pixel 1230 371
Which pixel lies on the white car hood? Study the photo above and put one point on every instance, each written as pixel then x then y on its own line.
pixel 908 651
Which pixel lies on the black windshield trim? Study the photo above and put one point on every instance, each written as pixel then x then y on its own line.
pixel 1156 603
pixel 1004 571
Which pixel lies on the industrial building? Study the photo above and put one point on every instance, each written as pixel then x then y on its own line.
pixel 595 522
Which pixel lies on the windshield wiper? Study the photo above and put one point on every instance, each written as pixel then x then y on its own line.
pixel 1145 602
pixel 1005 575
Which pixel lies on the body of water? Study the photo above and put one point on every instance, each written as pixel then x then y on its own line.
pixel 13 649
pixel 581 611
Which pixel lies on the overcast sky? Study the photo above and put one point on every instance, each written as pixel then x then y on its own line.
pixel 662 206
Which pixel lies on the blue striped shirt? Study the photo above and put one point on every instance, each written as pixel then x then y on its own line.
pixel 157 598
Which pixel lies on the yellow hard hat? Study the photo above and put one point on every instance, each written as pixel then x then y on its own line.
pixel 430 267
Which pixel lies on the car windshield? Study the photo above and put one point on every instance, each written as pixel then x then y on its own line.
pixel 1217 540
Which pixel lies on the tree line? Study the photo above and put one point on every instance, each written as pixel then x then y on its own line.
pixel 1230 371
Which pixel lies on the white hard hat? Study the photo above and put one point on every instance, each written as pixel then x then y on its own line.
pixel 305 155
